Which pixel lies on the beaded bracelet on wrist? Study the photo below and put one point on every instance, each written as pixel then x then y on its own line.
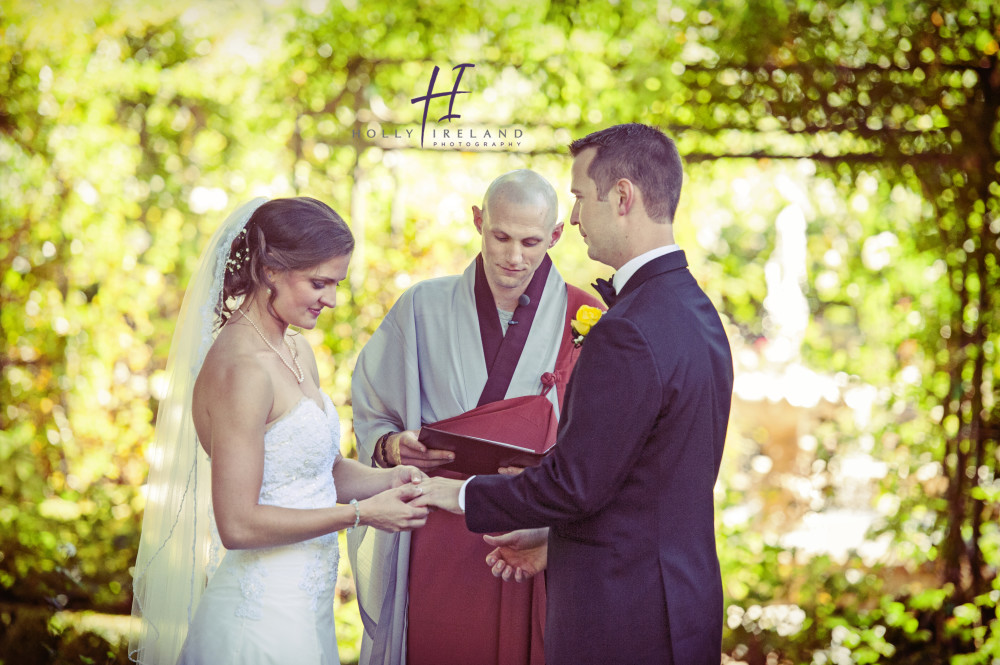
pixel 357 515
pixel 382 451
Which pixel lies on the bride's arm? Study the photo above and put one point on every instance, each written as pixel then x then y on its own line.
pixel 238 402
pixel 356 481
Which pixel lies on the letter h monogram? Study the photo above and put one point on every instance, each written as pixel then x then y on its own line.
pixel 426 99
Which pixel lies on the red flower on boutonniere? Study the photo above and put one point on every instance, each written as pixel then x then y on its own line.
pixel 585 319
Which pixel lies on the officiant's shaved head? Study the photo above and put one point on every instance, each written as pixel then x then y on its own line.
pixel 518 223
pixel 523 187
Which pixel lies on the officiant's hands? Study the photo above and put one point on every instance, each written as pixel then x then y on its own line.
pixel 404 448
pixel 440 493
pixel 519 554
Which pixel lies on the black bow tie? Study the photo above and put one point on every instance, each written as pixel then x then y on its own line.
pixel 607 291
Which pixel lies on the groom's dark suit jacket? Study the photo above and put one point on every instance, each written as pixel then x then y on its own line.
pixel 633 576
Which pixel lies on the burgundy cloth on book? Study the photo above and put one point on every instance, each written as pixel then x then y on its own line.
pixel 528 421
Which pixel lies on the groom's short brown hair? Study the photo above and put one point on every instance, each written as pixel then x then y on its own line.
pixel 641 154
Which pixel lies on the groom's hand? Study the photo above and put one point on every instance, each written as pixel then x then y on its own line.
pixel 519 554
pixel 440 493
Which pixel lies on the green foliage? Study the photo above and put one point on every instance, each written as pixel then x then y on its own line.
pixel 38 635
pixel 127 132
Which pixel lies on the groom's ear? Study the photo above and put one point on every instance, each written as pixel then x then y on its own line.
pixel 623 196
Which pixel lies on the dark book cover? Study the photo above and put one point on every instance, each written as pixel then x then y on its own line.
pixel 477 456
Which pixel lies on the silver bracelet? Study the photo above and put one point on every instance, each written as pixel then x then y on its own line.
pixel 357 515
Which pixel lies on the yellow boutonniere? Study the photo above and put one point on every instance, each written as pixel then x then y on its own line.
pixel 585 319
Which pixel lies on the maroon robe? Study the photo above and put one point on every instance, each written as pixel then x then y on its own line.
pixel 458 613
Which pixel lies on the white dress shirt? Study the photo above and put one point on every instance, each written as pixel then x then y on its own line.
pixel 632 265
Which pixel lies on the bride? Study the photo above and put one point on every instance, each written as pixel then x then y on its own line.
pixel 249 401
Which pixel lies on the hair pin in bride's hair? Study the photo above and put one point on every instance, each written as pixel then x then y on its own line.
pixel 239 257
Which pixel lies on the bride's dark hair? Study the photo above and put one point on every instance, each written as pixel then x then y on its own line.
pixel 283 234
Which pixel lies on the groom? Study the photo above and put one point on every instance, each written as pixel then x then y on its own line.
pixel 633 574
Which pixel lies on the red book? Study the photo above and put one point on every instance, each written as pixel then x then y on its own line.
pixel 513 432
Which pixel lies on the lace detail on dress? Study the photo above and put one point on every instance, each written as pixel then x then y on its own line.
pixel 251 585
pixel 300 450
pixel 322 569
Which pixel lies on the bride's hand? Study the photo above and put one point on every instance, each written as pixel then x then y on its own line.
pixel 391 510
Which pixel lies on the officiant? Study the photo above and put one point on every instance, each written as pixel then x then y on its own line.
pixel 482 339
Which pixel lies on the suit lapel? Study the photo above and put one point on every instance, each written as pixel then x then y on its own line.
pixel 661 264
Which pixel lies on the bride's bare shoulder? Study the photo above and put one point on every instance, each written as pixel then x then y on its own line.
pixel 233 365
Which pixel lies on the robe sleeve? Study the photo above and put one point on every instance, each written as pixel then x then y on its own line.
pixel 385 388
pixel 380 560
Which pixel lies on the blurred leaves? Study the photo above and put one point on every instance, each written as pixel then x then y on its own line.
pixel 128 131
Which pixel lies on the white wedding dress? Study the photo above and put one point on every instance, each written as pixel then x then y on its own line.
pixel 274 605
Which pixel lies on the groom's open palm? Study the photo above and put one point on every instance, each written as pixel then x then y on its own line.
pixel 519 554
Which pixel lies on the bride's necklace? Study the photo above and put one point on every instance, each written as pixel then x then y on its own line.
pixel 300 376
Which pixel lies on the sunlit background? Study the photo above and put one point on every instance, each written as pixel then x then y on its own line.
pixel 840 208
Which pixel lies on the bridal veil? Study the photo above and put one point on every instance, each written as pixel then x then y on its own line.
pixel 177 550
